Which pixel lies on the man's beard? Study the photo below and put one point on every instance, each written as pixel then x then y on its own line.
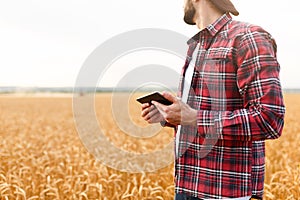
pixel 189 15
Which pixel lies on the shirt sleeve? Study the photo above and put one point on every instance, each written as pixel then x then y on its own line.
pixel 262 115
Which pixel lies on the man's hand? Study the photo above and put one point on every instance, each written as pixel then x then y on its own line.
pixel 178 113
pixel 151 114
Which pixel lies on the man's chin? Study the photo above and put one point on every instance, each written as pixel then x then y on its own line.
pixel 189 21
pixel 189 17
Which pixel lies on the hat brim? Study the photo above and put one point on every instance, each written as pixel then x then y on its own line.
pixel 225 6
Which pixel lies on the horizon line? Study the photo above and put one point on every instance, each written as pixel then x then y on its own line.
pixel 69 89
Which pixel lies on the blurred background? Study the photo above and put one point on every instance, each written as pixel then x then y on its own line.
pixel 43 44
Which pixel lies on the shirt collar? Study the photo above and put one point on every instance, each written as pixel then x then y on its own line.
pixel 213 28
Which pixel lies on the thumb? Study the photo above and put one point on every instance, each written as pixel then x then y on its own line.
pixel 169 96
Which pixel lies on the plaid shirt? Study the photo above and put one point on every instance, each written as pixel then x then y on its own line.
pixel 237 92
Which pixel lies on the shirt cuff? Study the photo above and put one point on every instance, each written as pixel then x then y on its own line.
pixel 166 124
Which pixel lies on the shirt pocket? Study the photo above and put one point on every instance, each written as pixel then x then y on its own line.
pixel 212 65
pixel 210 80
pixel 212 69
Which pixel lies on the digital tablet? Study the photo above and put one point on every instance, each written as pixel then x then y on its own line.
pixel 156 96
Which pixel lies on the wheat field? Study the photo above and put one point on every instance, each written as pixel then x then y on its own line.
pixel 42 157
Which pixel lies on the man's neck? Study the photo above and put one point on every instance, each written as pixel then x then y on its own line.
pixel 206 15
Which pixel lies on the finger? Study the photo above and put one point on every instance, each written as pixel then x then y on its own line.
pixel 146 108
pixel 153 112
pixel 145 105
pixel 160 107
pixel 169 96
pixel 147 111
pixel 154 117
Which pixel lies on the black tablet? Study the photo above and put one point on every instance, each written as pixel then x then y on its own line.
pixel 156 96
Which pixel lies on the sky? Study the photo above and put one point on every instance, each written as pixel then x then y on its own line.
pixel 44 43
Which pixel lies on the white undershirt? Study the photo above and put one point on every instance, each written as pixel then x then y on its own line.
pixel 185 93
pixel 186 89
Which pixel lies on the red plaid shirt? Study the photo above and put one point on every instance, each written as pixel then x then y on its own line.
pixel 237 92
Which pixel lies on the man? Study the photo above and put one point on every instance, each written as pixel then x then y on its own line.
pixel 229 102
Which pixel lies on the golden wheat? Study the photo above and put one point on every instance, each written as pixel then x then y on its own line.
pixel 42 157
